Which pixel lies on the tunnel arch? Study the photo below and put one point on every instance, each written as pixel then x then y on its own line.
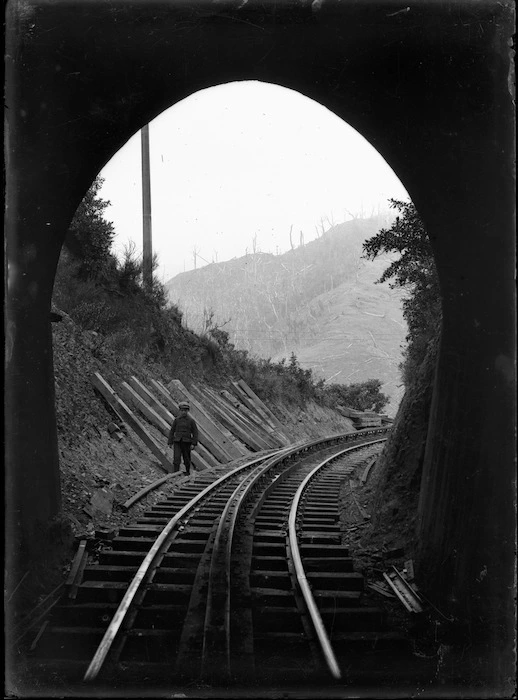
pixel 428 88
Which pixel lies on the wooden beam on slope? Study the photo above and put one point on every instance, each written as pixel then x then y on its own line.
pixel 274 435
pixel 260 403
pixel 260 412
pixel 158 422
pixel 208 440
pixel 168 417
pixel 243 421
pixel 252 416
pixel 111 397
pixel 245 433
pixel 220 434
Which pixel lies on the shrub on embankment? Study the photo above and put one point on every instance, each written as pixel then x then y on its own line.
pixel 399 468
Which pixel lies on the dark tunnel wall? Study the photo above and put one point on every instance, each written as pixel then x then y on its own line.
pixel 427 86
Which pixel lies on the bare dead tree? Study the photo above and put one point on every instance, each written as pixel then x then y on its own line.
pixel 330 220
pixel 353 216
pixel 322 225
pixel 291 241
pixel 209 321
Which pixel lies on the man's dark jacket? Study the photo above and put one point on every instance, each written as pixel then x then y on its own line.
pixel 183 429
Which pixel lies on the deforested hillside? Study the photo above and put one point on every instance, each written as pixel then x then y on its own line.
pixel 319 301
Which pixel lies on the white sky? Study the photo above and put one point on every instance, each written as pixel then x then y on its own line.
pixel 240 160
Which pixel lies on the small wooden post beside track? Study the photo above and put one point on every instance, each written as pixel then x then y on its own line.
pixel 76 570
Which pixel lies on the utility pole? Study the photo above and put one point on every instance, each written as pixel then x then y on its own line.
pixel 147 249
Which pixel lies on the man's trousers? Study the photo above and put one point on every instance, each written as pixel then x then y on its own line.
pixel 182 449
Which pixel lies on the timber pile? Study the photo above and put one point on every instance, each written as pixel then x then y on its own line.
pixel 232 423
pixel 361 419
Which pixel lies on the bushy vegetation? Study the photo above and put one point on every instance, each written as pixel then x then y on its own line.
pixel 107 296
pixel 364 396
pixel 274 381
pixel 414 270
pixel 289 382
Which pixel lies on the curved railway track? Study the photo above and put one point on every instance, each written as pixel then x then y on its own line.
pixel 239 574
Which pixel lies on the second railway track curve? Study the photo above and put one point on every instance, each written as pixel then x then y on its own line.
pixel 239 575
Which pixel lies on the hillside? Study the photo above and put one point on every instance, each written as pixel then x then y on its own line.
pixel 319 301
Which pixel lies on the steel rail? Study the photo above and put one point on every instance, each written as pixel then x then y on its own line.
pixel 217 614
pixel 217 618
pixel 309 600
pixel 120 614
pixel 113 628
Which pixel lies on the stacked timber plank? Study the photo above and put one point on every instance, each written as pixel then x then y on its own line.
pixel 223 437
pixel 231 423
pixel 251 428
pixel 127 415
pixel 361 419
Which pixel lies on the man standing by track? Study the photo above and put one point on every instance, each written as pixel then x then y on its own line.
pixel 183 436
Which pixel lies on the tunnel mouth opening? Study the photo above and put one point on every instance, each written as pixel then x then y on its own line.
pixel 396 504
pixel 266 163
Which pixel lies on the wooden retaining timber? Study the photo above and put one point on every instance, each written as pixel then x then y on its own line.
pixel 236 439
pixel 213 445
pixel 258 407
pixel 168 417
pixel 267 437
pixel 239 428
pixel 151 400
pixel 243 410
pixel 148 412
pixel 219 434
pixel 214 448
pixel 129 417
pixel 253 417
pixel 153 417
pixel 257 431
pixel 243 396
pixel 165 397
pixel 253 396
